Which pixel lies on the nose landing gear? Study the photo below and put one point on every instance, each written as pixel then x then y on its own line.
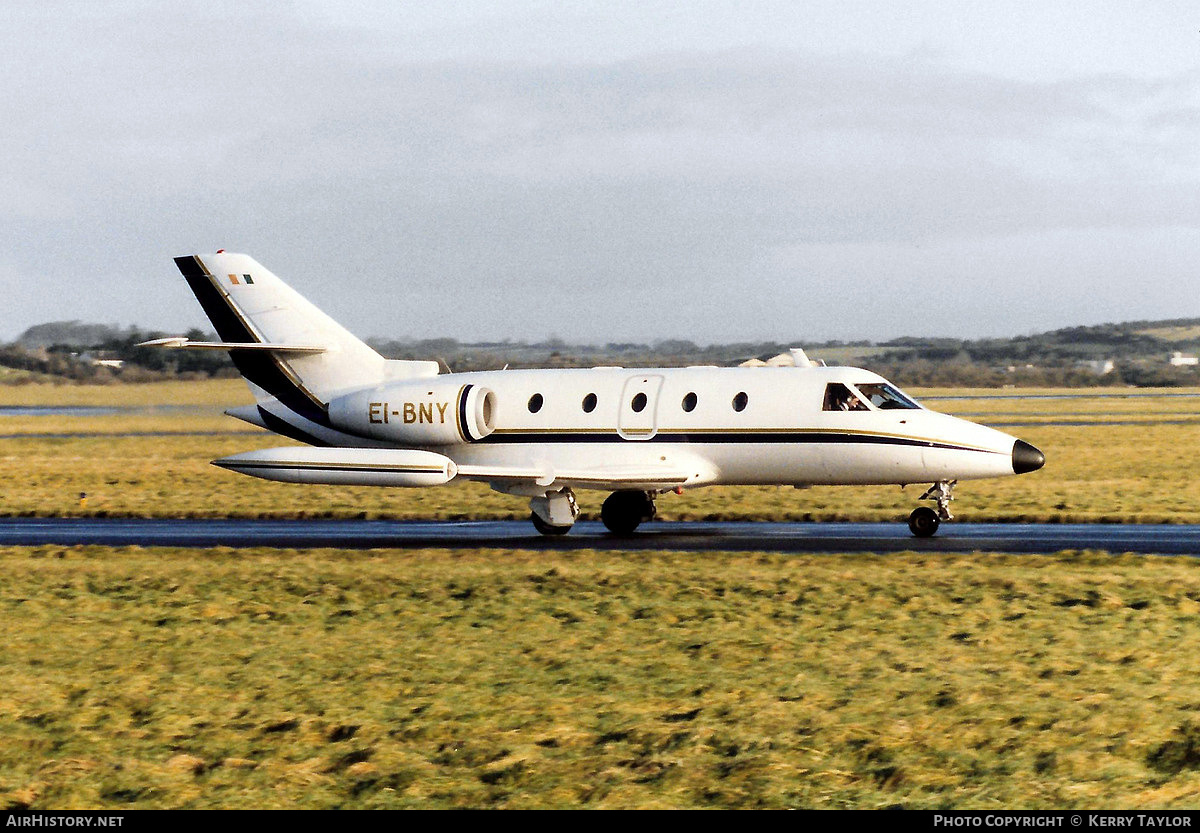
pixel 555 513
pixel 924 521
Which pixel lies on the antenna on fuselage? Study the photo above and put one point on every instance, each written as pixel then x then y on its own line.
pixel 795 357
pixel 800 358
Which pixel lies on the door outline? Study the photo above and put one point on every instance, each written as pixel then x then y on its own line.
pixel 639 425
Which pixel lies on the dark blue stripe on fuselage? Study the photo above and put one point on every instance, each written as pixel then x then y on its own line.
pixel 462 414
pixel 286 429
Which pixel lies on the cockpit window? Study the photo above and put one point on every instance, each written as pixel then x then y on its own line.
pixel 838 397
pixel 885 397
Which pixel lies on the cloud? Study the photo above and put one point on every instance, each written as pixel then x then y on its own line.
pixel 671 192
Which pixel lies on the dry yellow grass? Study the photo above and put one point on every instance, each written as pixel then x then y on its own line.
pixel 260 678
pixel 1173 333
pixel 217 394
pixel 1119 473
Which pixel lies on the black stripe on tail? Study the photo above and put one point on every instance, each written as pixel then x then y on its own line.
pixel 260 367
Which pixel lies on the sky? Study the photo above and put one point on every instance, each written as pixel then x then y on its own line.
pixel 611 171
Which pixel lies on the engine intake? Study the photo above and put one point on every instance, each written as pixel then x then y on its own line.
pixel 424 412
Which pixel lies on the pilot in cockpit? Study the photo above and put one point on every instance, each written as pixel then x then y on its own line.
pixel 838 397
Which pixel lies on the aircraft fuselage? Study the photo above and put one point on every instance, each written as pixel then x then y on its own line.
pixel 743 426
pixel 636 432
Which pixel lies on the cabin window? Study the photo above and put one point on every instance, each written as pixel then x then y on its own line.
pixel 589 403
pixel 740 401
pixel 689 402
pixel 885 397
pixel 838 397
pixel 639 403
pixel 535 403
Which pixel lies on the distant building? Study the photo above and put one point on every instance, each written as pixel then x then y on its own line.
pixel 1180 360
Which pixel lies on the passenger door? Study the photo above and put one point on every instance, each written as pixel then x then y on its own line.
pixel 637 419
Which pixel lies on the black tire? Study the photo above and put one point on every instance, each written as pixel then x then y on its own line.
pixel 545 528
pixel 622 512
pixel 923 522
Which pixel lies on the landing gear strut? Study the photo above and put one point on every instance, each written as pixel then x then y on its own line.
pixel 554 513
pixel 924 521
pixel 622 512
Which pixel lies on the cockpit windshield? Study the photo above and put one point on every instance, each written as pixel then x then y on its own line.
pixel 885 397
pixel 865 397
pixel 838 397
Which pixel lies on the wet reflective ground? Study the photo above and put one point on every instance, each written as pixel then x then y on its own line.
pixel 879 538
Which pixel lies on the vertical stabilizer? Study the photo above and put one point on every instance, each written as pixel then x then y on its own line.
pixel 247 304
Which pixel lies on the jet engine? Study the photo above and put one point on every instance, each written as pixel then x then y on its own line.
pixel 420 412
pixel 344 466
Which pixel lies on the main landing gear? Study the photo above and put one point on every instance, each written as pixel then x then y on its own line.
pixel 622 512
pixel 555 513
pixel 924 521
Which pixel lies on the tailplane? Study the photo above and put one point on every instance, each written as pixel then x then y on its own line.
pixel 289 352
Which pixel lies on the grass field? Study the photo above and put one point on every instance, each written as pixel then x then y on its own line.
pixel 180 678
pixel 264 678
pixel 1122 463
pixel 135 678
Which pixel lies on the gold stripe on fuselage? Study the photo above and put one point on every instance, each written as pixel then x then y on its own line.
pixel 268 464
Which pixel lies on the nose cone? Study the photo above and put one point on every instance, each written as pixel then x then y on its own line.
pixel 1026 458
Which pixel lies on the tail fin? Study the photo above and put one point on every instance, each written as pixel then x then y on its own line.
pixel 249 306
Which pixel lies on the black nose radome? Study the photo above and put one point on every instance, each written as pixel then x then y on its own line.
pixel 1026 458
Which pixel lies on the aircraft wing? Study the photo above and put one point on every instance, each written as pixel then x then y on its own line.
pixel 417 467
pixel 601 477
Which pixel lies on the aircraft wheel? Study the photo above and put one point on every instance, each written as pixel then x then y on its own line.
pixel 923 522
pixel 622 512
pixel 545 528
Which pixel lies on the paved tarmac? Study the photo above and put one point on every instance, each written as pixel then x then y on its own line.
pixel 688 536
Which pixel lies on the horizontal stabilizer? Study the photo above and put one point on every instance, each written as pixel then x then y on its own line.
pixel 247 413
pixel 177 342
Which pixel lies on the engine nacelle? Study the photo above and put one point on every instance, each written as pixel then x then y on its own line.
pixel 420 412
pixel 344 466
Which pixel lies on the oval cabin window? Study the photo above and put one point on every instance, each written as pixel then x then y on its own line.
pixel 589 403
pixel 535 403
pixel 639 403
pixel 740 401
pixel 689 402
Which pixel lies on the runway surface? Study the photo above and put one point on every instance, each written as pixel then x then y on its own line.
pixel 688 536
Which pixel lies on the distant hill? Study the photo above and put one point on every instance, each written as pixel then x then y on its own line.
pixel 1125 341
pixel 71 334
pixel 1131 353
pixel 1133 339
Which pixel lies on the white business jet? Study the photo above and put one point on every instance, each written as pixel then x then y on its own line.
pixel 542 434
